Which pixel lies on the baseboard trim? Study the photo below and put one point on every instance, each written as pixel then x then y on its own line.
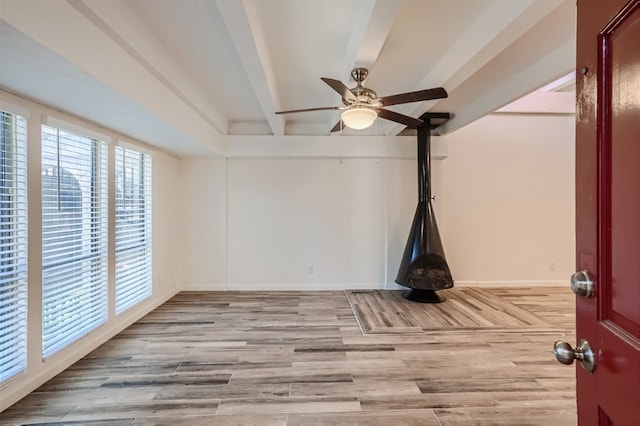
pixel 361 286
pixel 205 287
pixel 284 287
pixel 531 283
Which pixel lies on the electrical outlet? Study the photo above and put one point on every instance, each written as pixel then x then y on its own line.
pixel 310 270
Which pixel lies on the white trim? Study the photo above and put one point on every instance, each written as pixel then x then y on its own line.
pixel 301 146
pixel 361 286
pixel 465 283
pixel 226 224
pixel 133 146
pixel 205 287
pixel 305 287
pixel 523 283
pixel 15 109
pixel 385 219
pixel 76 126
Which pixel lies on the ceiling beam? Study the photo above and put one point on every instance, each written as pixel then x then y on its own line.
pixel 119 23
pixel 84 40
pixel 496 28
pixel 288 146
pixel 380 19
pixel 245 28
pixel 561 59
pixel 545 53
pixel 368 35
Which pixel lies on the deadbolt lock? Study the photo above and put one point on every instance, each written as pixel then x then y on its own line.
pixel 582 284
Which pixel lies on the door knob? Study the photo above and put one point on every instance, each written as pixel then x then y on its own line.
pixel 582 284
pixel 565 354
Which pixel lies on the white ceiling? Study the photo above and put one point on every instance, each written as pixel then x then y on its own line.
pixel 186 74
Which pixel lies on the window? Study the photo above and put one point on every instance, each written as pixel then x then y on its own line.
pixel 74 237
pixel 13 245
pixel 133 227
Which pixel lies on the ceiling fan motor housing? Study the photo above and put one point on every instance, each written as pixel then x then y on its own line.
pixel 365 96
pixel 359 74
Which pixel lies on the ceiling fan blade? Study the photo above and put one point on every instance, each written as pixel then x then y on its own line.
pixel 410 122
pixel 308 109
pixel 339 126
pixel 420 95
pixel 339 87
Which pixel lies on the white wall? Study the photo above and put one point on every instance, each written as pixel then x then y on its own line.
pixel 204 213
pixel 504 206
pixel 293 223
pixel 401 201
pixel 306 223
pixel 167 220
pixel 167 249
pixel 508 200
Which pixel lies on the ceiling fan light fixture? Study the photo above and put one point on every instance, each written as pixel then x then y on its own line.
pixel 359 117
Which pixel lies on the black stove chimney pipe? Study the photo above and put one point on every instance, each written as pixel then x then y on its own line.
pixel 424 267
pixel 424 163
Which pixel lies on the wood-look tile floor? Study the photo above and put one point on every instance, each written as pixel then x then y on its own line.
pixel 466 309
pixel 300 358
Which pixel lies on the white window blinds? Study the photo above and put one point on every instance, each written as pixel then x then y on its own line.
pixel 133 227
pixel 13 245
pixel 74 237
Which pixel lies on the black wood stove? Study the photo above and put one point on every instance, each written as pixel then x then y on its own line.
pixel 424 267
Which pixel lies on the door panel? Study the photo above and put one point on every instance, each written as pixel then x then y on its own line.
pixel 608 207
pixel 621 70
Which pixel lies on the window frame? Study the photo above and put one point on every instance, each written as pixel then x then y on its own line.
pixel 74 236
pixel 13 246
pixel 134 210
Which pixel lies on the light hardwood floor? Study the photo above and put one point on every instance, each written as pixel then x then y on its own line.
pixel 301 358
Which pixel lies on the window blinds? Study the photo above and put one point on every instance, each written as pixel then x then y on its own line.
pixel 13 245
pixel 133 227
pixel 74 237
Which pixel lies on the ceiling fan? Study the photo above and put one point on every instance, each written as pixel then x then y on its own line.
pixel 362 105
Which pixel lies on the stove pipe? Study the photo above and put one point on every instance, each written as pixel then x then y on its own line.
pixel 424 267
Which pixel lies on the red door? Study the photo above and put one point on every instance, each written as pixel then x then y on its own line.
pixel 608 208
